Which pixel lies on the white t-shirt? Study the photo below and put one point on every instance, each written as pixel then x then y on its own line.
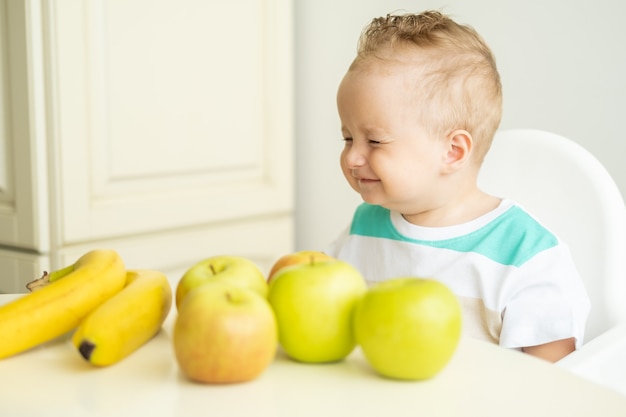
pixel 516 280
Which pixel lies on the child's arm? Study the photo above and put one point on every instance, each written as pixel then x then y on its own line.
pixel 552 351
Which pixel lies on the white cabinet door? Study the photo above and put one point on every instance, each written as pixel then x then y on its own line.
pixel 168 114
pixel 18 269
pixel 23 202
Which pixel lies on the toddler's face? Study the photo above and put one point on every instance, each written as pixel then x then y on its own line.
pixel 389 158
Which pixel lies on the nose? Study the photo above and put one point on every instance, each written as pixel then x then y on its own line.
pixel 353 155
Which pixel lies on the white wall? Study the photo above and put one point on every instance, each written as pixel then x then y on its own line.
pixel 562 62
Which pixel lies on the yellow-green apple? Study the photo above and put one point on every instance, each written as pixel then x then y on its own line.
pixel 224 334
pixel 234 269
pixel 313 303
pixel 408 327
pixel 295 258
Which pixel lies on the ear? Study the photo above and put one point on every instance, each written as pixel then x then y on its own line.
pixel 459 145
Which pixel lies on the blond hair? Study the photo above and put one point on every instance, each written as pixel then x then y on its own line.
pixel 457 70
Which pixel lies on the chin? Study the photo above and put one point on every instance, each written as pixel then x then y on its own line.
pixel 373 201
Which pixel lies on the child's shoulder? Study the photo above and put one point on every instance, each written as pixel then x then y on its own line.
pixel 514 235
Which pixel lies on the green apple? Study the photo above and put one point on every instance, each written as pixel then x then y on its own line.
pixel 313 303
pixel 407 327
pixel 295 258
pixel 224 334
pixel 234 269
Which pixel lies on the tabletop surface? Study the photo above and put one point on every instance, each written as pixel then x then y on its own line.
pixel 602 359
pixel 481 380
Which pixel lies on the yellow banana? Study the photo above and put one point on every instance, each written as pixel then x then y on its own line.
pixel 127 320
pixel 60 306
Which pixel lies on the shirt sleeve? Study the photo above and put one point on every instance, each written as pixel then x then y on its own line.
pixel 547 302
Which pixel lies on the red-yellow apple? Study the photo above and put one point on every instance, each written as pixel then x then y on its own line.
pixel 305 256
pixel 408 328
pixel 234 269
pixel 224 334
pixel 313 303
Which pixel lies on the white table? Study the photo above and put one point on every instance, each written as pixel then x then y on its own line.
pixel 602 360
pixel 481 380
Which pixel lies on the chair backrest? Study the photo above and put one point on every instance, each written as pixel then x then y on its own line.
pixel 568 190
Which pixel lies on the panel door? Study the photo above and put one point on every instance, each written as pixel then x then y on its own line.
pixel 23 202
pixel 167 115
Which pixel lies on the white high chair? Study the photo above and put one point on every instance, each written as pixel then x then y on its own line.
pixel 568 190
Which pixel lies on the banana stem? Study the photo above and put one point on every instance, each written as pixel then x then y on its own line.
pixel 48 278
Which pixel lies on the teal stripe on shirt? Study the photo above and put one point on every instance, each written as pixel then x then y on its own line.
pixel 510 239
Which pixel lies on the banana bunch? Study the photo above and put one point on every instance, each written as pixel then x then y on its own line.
pixel 59 306
pixel 125 321
pixel 114 311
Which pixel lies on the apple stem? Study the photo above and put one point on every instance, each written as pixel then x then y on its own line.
pixel 312 258
pixel 212 269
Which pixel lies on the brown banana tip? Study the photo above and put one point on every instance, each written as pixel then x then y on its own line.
pixel 86 348
pixel 39 282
